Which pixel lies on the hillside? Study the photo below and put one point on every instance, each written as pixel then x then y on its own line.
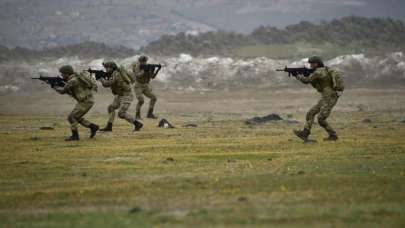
pixel 347 35
pixel 82 50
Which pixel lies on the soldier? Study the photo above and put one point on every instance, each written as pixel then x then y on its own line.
pixel 83 94
pixel 323 81
pixel 120 85
pixel 142 87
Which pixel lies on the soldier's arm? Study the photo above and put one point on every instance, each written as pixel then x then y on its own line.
pixel 137 72
pixel 70 84
pixel 311 78
pixel 105 82
pixel 109 83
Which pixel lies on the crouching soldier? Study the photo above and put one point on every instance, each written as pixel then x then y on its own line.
pixel 80 87
pixel 120 85
pixel 330 85
pixel 143 74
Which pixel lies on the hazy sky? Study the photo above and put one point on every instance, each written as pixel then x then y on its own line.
pixel 42 23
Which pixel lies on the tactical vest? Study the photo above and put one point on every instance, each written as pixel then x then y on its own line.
pixel 121 85
pixel 324 82
pixel 140 75
pixel 79 91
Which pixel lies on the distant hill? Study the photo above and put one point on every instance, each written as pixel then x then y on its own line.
pixel 349 34
pixel 82 50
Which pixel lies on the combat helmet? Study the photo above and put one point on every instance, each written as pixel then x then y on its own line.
pixel 315 59
pixel 143 58
pixel 67 69
pixel 110 64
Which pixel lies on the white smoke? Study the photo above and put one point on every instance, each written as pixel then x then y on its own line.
pixel 188 73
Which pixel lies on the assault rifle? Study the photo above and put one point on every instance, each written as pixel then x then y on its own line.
pixel 52 81
pixel 99 74
pixel 152 69
pixel 297 71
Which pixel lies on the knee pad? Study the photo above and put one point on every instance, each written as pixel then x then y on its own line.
pixel 121 115
pixel 71 119
pixel 110 108
pixel 141 101
pixel 322 121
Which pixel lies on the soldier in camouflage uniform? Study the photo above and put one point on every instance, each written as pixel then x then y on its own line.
pixel 321 80
pixel 120 86
pixel 85 101
pixel 142 87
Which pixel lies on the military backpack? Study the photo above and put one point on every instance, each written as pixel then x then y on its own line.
pixel 87 80
pixel 337 79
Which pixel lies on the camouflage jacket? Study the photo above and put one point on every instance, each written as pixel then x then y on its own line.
pixel 320 80
pixel 119 84
pixel 140 75
pixel 76 89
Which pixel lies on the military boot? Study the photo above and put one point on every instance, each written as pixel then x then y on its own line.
pixel 151 115
pixel 138 125
pixel 74 137
pixel 138 115
pixel 302 134
pixel 332 137
pixel 93 130
pixel 107 128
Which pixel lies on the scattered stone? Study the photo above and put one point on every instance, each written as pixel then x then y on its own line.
pixel 367 121
pixel 231 160
pixel 46 128
pixel 269 159
pixel 169 159
pixel 84 174
pixel 135 210
pixel 35 138
pixel 242 199
pixel 301 172
pixel 163 123
pixel 190 125
pixel 265 119
pixel 403 121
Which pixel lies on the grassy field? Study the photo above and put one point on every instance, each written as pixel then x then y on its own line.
pixel 219 174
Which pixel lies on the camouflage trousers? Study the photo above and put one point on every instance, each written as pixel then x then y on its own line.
pixel 144 89
pixel 122 103
pixel 323 109
pixel 76 116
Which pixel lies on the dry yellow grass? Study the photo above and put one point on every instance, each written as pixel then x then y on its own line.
pixel 222 173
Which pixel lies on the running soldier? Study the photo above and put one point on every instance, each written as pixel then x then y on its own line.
pixel 80 87
pixel 329 83
pixel 120 85
pixel 143 74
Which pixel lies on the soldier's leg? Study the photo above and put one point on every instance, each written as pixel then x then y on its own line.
pixel 310 117
pixel 123 111
pixel 111 112
pixel 73 119
pixel 84 109
pixel 148 93
pixel 139 96
pixel 86 106
pixel 325 112
pixel 111 109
